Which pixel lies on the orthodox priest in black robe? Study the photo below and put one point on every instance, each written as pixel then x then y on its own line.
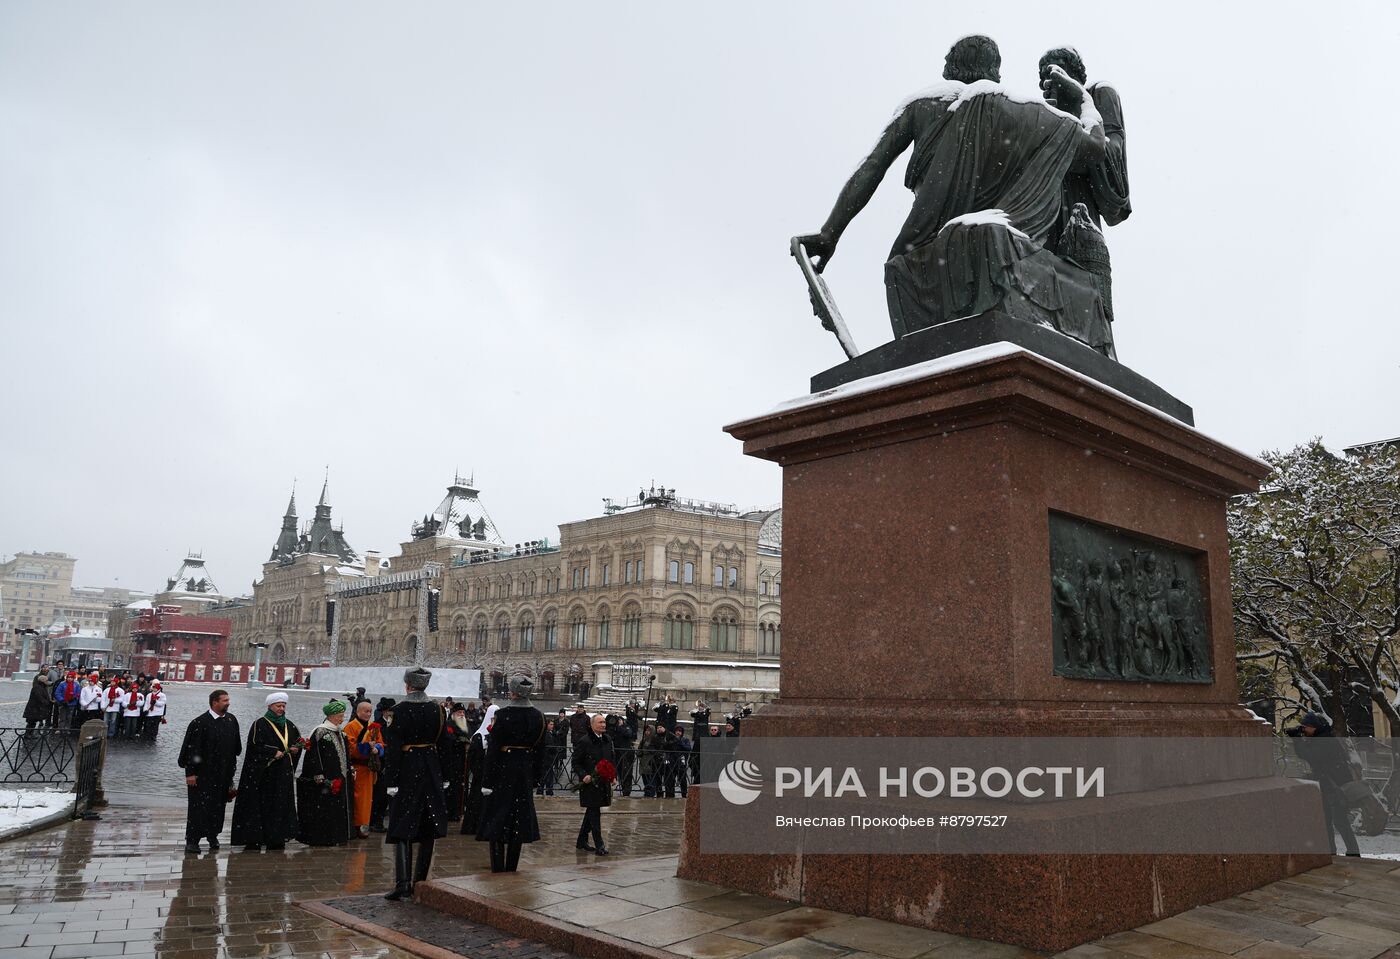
pixel 209 756
pixel 476 765
pixel 515 760
pixel 265 812
pixel 415 782
pixel 324 784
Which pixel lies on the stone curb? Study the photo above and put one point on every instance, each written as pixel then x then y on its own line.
pixel 52 819
pixel 393 937
pixel 579 940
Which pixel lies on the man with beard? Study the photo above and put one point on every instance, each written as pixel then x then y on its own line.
pixel 209 755
pixel 324 787
pixel 265 812
pixel 516 754
pixel 415 782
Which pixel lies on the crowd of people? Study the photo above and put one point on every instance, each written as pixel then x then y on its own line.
pixel 133 707
pixel 407 768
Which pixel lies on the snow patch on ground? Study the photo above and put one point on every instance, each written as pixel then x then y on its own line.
pixel 20 807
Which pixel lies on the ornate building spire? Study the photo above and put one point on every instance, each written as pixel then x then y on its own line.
pixel 286 545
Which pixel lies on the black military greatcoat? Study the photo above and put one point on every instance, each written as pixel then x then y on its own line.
pixel 516 755
pixel 413 763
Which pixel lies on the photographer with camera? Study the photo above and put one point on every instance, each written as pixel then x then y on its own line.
pixel 1327 765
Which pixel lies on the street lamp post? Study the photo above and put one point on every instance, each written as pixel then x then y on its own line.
pixel 296 674
pixel 256 671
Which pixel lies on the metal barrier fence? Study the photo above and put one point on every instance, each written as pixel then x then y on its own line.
pixel 48 756
pixel 39 755
pixel 646 771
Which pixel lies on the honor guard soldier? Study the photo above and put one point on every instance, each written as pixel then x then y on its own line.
pixel 514 764
pixel 414 778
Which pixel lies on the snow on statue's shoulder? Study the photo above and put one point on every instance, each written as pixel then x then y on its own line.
pixel 984 217
pixel 980 88
pixel 946 90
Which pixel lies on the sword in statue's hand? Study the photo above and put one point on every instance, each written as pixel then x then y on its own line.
pixel 822 303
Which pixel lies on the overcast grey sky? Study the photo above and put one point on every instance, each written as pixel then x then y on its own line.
pixel 548 243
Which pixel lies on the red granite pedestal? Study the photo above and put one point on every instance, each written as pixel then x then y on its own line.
pixel 916 579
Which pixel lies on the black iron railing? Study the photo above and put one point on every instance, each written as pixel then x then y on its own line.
pixel 39 755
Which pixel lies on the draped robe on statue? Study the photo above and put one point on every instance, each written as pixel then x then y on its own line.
pixel 987 172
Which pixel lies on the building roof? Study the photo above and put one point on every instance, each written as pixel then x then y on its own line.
pixel 320 537
pixel 192 577
pixel 461 514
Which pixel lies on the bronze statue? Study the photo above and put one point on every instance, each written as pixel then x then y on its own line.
pixel 997 179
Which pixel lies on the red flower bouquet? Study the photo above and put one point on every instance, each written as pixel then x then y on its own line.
pixel 605 771
pixel 336 786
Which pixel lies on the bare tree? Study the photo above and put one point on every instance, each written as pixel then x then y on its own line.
pixel 1315 561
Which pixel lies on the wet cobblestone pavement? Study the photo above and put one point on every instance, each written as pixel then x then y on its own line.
pixel 439 929
pixel 122 886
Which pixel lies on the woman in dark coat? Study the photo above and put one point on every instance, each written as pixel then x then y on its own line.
pixel 324 786
pixel 515 757
pixel 40 705
pixel 265 812
pixel 594 791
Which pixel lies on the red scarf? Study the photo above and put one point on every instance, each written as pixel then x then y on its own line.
pixel 113 693
pixel 131 698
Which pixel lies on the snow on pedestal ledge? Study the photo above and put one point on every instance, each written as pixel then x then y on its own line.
pixel 21 807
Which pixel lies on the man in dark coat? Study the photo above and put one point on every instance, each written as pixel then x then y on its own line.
pixel 265 812
pixel 209 756
pixel 594 790
pixel 379 804
pixel 1327 764
pixel 579 724
pixel 516 754
pixel 700 726
pixel 623 753
pixel 415 781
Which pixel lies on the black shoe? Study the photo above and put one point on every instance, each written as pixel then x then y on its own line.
pixel 252 848
pixel 192 849
pixel 583 846
pixel 601 851
pixel 213 844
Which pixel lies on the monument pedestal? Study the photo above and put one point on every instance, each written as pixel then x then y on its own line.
pixel 917 513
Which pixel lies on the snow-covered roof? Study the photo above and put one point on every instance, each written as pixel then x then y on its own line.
pixel 461 514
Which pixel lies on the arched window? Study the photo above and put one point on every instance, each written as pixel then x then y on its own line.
pixel 679 629
pixel 770 639
pixel 689 573
pixel 777 586
pixel 551 631
pixel 481 636
pixel 627 572
pixel 527 634
pixel 578 631
pixel 604 628
pixel 733 577
pixel 724 631
pixel 503 634
pixel 632 628
pixel 719 576
pixel 673 571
